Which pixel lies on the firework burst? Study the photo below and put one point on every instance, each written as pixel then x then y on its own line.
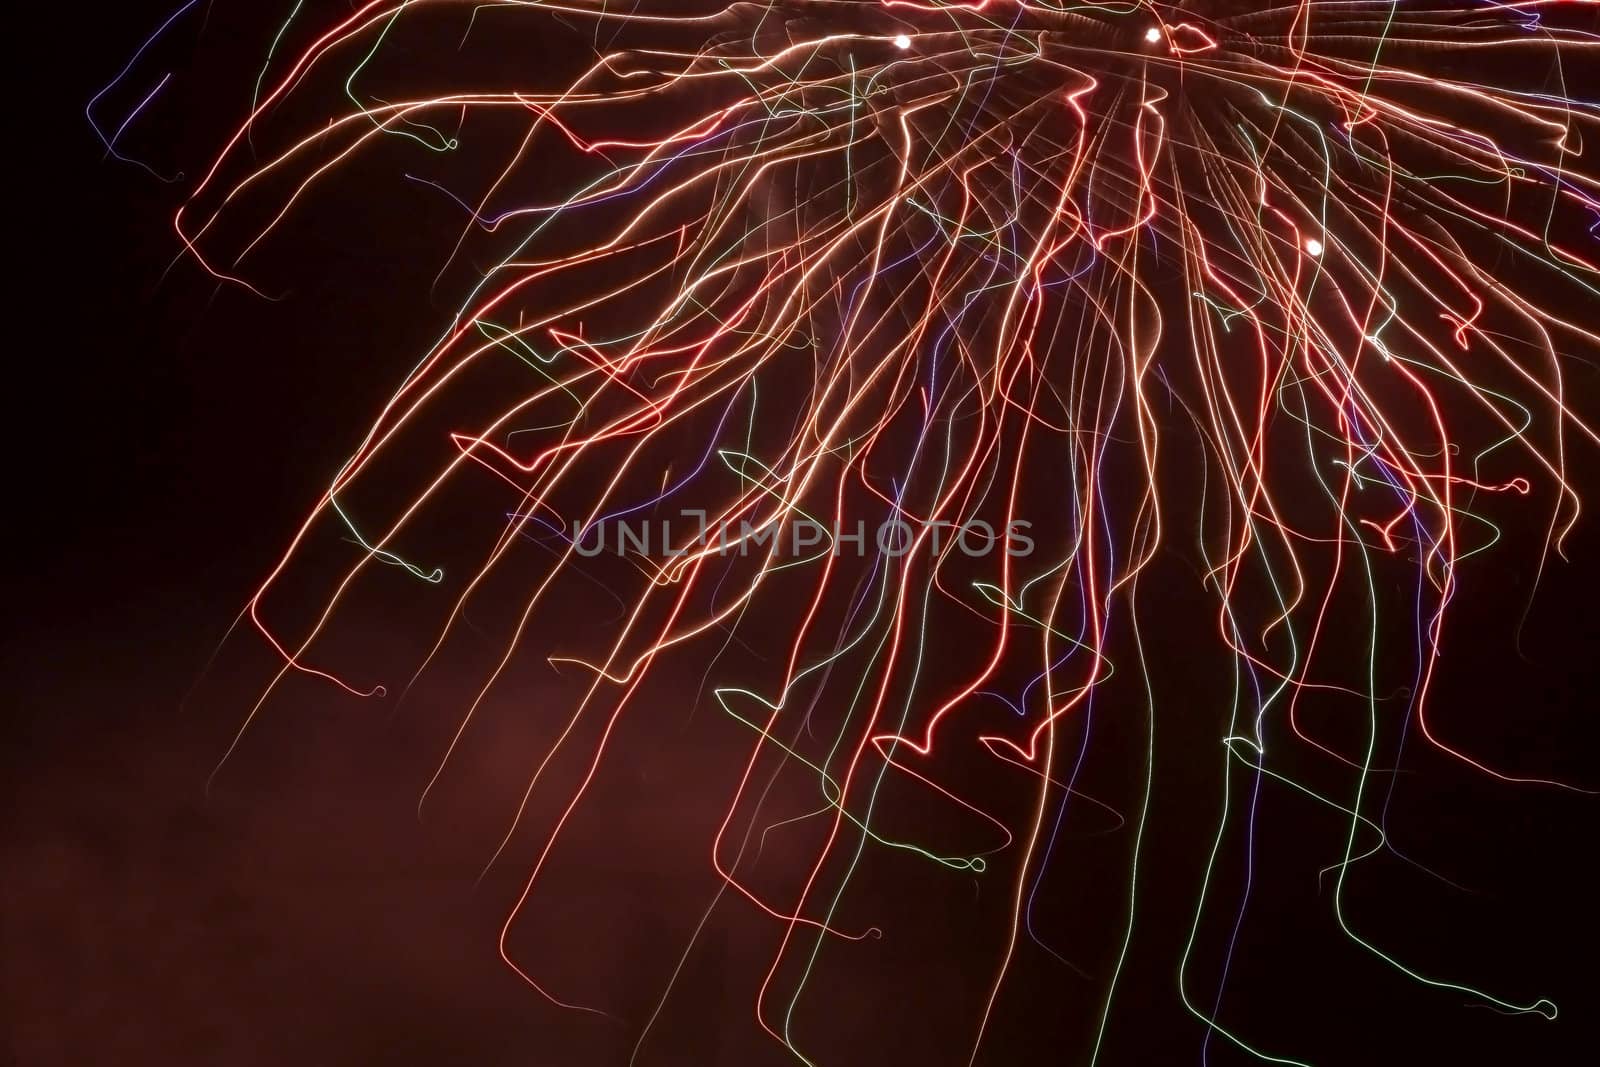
pixel 902 328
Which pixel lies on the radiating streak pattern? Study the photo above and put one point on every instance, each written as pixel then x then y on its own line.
pixel 1308 278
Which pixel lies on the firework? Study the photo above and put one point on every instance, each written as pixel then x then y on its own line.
pixel 891 345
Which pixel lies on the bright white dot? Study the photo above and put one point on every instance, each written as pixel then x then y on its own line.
pixel 901 41
pixel 1153 34
pixel 1313 246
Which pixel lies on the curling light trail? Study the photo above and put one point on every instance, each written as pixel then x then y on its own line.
pixel 953 267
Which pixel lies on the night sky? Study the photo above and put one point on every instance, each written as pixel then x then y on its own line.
pixel 169 434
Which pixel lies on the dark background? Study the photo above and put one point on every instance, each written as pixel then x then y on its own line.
pixel 168 436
